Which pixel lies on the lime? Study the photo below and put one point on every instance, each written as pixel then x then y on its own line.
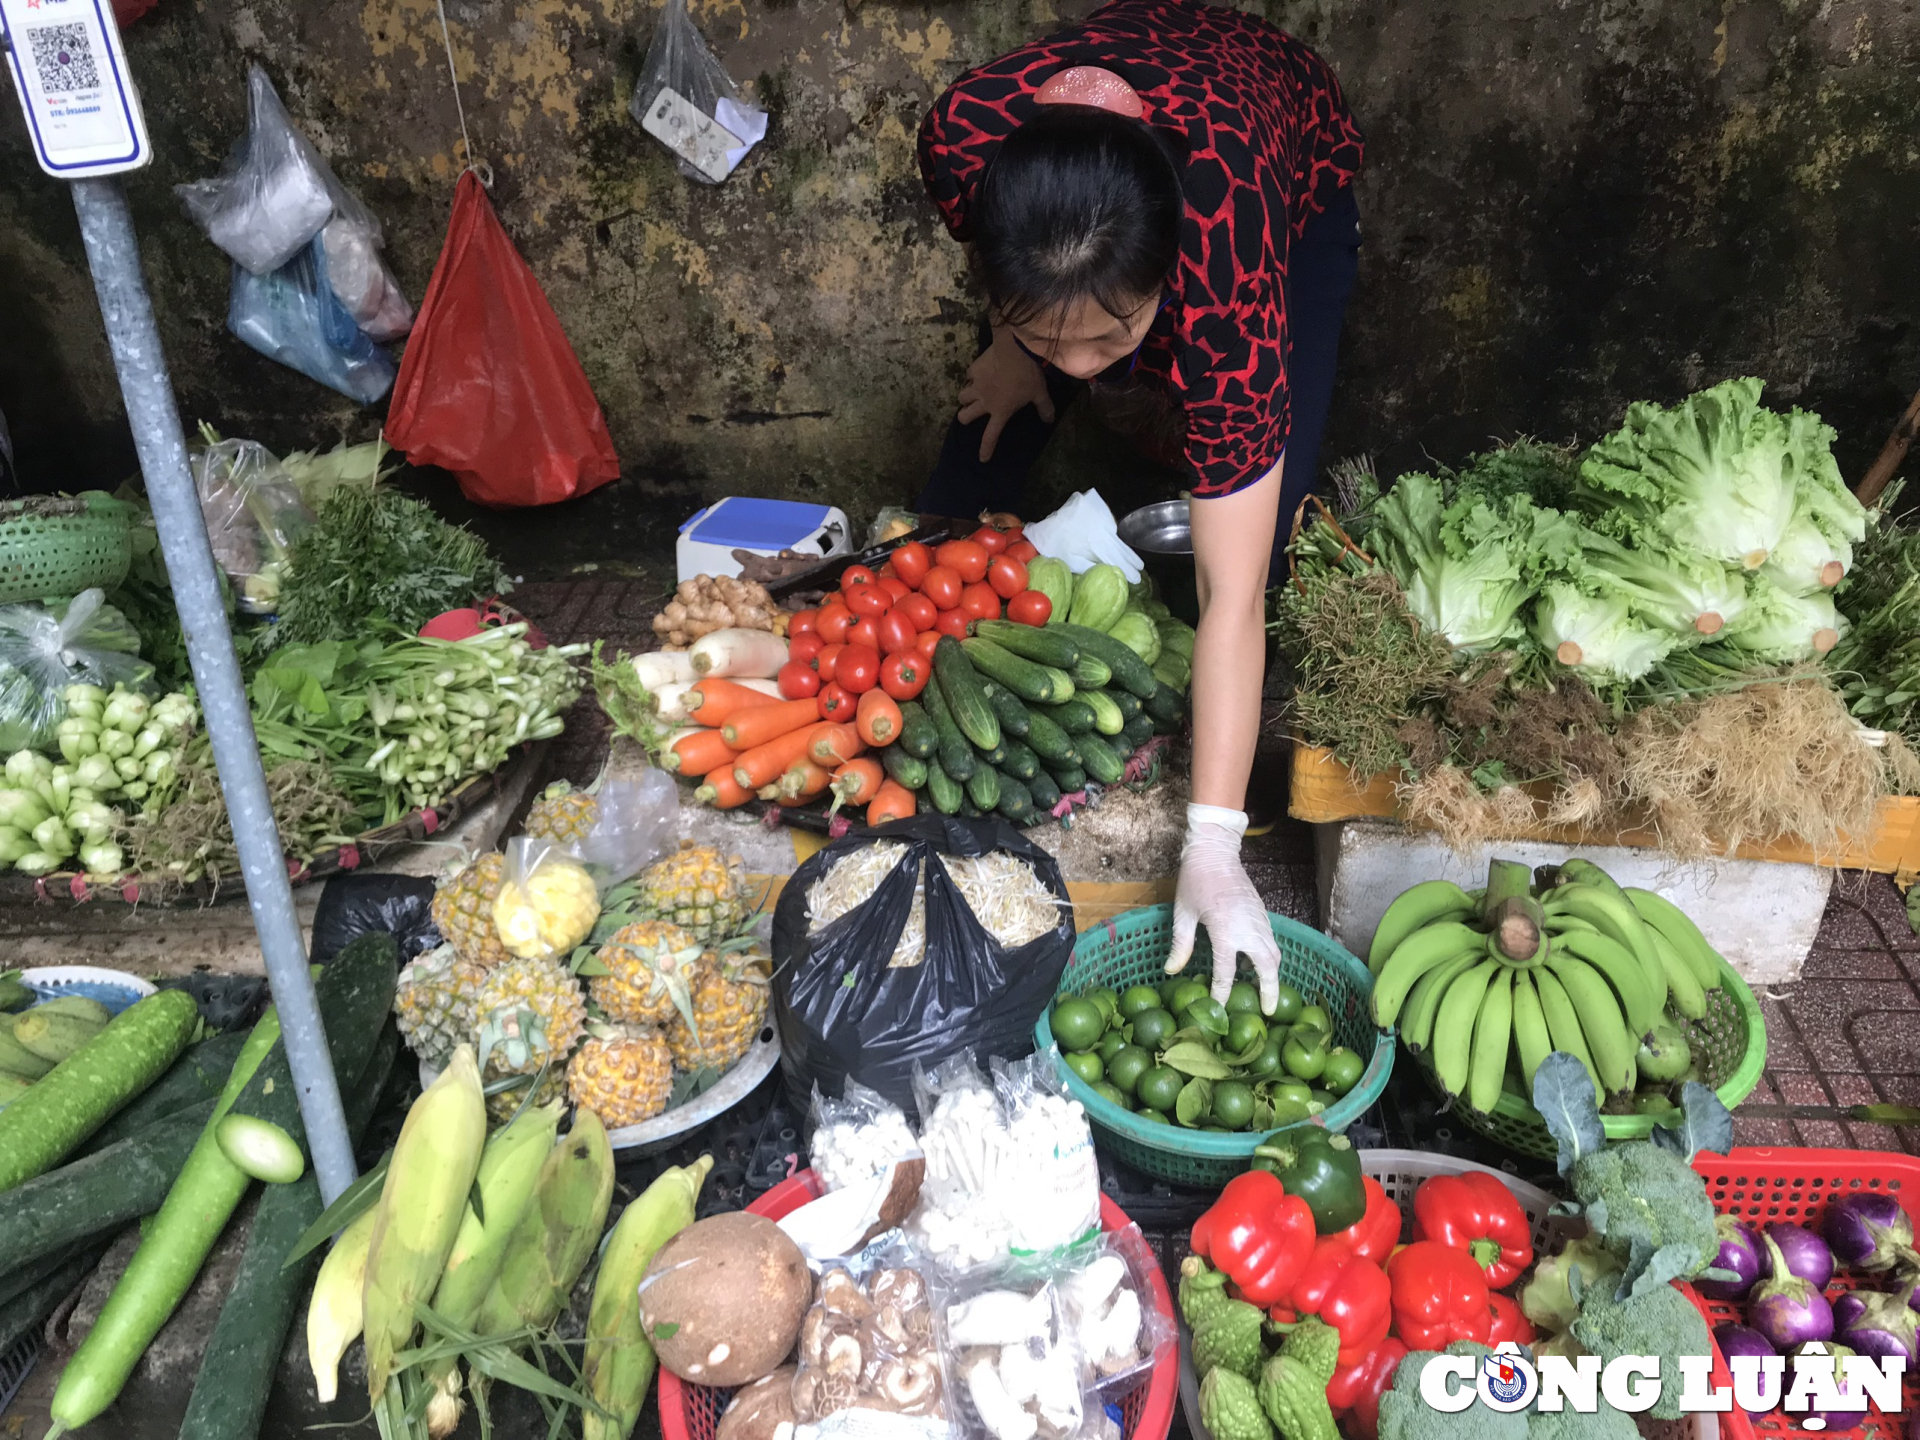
pixel 1185 993
pixel 1106 999
pixel 1154 1116
pixel 1111 1044
pixel 1159 1089
pixel 1167 987
pixel 1109 1093
pixel 1126 1068
pixel 1205 1014
pixel 1304 1060
pixel 1244 1031
pixel 1078 1024
pixel 1138 998
pixel 1243 999
pixel 1315 1016
pixel 1266 1064
pixel 1233 1104
pixel 1343 1071
pixel 1294 1091
pixel 1287 1009
pixel 1324 1099
pixel 1153 1028
pixel 1087 1066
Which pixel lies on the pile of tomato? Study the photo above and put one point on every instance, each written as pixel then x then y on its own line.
pixel 879 630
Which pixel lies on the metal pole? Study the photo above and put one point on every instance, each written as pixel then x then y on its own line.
pixel 113 252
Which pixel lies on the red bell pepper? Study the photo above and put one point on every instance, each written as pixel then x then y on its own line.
pixel 1477 1214
pixel 1439 1296
pixel 1356 1388
pixel 1374 1234
pixel 1344 1291
pixel 1258 1234
pixel 1508 1321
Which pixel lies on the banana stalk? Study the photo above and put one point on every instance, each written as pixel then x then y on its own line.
pixel 620 1363
pixel 335 1313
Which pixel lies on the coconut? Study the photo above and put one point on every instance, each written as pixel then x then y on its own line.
pixel 723 1300
pixel 761 1411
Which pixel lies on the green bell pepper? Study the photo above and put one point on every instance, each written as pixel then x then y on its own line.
pixel 1321 1168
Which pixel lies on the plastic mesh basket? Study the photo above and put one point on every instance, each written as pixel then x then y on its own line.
pixel 53 548
pixel 1517 1125
pixel 1131 949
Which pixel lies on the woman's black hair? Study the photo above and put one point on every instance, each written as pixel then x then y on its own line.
pixel 1078 203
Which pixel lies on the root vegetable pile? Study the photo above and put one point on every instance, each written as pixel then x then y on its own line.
pixel 715 602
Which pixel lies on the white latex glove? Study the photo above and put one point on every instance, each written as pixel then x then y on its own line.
pixel 1214 891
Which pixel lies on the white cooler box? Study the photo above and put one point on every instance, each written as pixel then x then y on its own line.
pixel 766 527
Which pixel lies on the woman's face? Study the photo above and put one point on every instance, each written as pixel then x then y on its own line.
pixel 1082 339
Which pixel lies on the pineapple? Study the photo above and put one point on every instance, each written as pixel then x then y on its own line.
pixel 624 1075
pixel 438 1003
pixel 532 1013
pixel 697 890
pixel 463 911
pixel 729 1006
pixel 548 910
pixel 650 972
pixel 563 815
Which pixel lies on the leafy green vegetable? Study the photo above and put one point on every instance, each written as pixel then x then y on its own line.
pixel 1563 1094
pixel 1781 628
pixel 1595 630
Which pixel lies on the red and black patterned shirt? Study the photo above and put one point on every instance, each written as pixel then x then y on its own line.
pixel 1268 138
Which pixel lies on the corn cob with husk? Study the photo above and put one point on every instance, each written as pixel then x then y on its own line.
pixel 422 1205
pixel 558 1233
pixel 335 1313
pixel 619 1362
pixel 510 1167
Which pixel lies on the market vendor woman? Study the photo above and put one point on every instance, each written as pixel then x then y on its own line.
pixel 1159 206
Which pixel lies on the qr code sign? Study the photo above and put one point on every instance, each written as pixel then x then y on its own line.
pixel 63 58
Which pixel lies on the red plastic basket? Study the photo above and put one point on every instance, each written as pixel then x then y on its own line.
pixel 692 1412
pixel 1762 1185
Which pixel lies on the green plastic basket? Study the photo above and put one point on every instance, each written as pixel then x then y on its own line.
pixel 52 548
pixel 1517 1125
pixel 1131 949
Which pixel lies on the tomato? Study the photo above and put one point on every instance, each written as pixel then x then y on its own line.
pixel 894 588
pixel 989 539
pixel 911 562
pixel 825 662
pixel 1007 576
pixel 836 703
pixel 859 669
pixel 801 623
pixel 864 632
pixel 904 676
pixel 1015 534
pixel 833 622
pixel 856 575
pixel 968 558
pixel 980 603
pixel 928 639
pixel 954 623
pixel 897 633
pixel 919 610
pixel 1030 607
pixel 798 680
pixel 1023 551
pixel 869 602
pixel 942 586
pixel 885 572
pixel 804 647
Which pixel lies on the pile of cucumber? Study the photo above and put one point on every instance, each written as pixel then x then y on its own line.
pixel 1016 715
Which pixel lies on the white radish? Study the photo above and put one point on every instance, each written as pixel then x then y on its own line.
pixel 659 668
pixel 735 653
pixel 672 701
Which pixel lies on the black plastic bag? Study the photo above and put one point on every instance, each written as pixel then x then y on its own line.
pixel 843 1012
pixel 355 905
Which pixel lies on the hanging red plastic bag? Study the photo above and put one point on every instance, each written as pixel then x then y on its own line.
pixel 489 387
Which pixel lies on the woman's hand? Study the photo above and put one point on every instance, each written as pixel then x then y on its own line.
pixel 1000 384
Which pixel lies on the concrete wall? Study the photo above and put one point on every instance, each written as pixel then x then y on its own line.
pixel 1569 204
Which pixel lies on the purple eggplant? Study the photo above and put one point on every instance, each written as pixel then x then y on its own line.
pixel 1806 1253
pixel 1837 1422
pixel 1745 1340
pixel 1878 1324
pixel 1869 1231
pixel 1740 1253
pixel 1786 1308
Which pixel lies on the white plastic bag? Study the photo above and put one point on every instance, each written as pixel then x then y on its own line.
pixel 45 648
pixel 1084 533
pixel 292 315
pixel 253 512
pixel 686 101
pixel 636 823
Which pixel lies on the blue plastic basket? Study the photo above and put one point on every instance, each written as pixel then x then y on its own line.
pixel 1131 949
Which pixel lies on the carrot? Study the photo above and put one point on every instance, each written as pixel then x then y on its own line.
pixel 803 781
pixel 764 764
pixel 721 790
pixel 767 722
pixel 834 744
pixel 714 702
pixel 857 781
pixel 878 718
pixel 696 753
pixel 894 802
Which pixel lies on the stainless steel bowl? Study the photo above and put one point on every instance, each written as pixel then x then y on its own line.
pixel 1162 529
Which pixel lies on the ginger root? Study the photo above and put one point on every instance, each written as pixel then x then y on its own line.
pixel 707 603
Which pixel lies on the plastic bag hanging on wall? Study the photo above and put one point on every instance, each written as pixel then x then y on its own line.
pixel 686 101
pixel 293 316
pixel 489 388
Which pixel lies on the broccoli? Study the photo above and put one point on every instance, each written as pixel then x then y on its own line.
pixel 1605 1423
pixel 1660 1322
pixel 1548 1300
pixel 1641 1198
pixel 1405 1416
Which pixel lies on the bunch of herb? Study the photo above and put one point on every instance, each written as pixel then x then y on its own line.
pixel 375 554
pixel 1877 662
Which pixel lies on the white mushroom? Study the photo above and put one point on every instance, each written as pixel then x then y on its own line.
pixel 1005 1418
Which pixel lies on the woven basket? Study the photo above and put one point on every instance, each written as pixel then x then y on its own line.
pixel 52 548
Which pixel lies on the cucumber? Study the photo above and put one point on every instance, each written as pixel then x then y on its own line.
pixel 1129 670
pixel 919 736
pixel 78 1095
pixel 1107 719
pixel 908 770
pixel 1068 777
pixel 81 1007
pixel 195 1079
pixel 1044 645
pixel 956 756
pixel 942 789
pixel 1021 762
pixel 1045 794
pixel 13 994
pixel 1128 702
pixel 1038 683
pixel 1103 762
pixel 995 756
pixel 1016 802
pixel 15 1058
pixel 1091 673
pixel 971 810
pixel 1165 704
pixel 959 685
pixel 1075 716
pixel 56 1035
pixel 27 1311
pixel 983 789
pixel 1138 731
pixel 1007 706
pixel 1050 742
